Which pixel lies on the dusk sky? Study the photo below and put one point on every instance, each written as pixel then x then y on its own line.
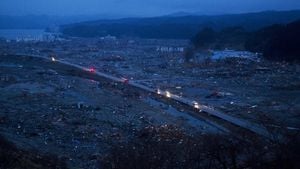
pixel 140 7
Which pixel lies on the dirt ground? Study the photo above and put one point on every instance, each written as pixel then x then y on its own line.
pixel 259 91
pixel 253 89
pixel 73 118
pixel 78 119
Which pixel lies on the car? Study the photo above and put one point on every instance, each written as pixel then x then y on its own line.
pixel 92 69
pixel 125 80
pixel 196 105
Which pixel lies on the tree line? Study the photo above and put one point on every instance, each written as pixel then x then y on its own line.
pixel 277 42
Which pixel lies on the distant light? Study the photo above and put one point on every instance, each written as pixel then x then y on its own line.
pixel 168 94
pixel 53 59
pixel 92 70
pixel 196 105
pixel 158 91
pixel 125 80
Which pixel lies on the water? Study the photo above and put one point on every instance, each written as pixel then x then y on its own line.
pixel 14 34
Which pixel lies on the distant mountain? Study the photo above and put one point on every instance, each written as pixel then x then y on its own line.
pixel 177 26
pixel 44 21
pixel 181 13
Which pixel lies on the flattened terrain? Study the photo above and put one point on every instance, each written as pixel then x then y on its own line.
pixel 73 118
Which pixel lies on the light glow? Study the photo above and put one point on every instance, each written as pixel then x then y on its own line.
pixel 92 70
pixel 158 91
pixel 125 80
pixel 196 105
pixel 168 94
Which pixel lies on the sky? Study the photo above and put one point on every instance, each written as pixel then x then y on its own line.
pixel 140 7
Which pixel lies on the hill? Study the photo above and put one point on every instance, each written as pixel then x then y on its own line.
pixel 43 21
pixel 277 42
pixel 177 27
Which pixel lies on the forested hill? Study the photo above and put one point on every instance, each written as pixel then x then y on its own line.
pixel 276 42
pixel 177 27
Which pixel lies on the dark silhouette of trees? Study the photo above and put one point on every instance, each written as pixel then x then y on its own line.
pixel 277 42
pixel 231 37
pixel 204 38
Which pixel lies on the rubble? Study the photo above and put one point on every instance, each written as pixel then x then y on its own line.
pixel 76 122
pixel 255 90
